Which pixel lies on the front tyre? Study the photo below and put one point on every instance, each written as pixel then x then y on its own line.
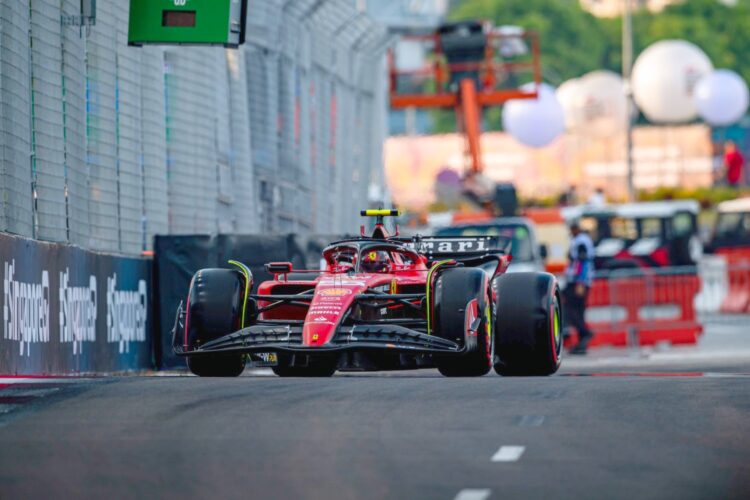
pixel 462 298
pixel 528 323
pixel 214 309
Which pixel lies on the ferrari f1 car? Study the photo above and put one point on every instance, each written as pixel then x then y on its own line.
pixel 381 303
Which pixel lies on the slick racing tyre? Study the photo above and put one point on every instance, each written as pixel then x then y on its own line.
pixel 288 366
pixel 460 292
pixel 528 324
pixel 214 309
pixel 217 366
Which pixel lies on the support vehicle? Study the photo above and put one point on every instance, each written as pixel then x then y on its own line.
pixel 641 235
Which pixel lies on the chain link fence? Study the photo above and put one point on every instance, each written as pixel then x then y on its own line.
pixel 105 145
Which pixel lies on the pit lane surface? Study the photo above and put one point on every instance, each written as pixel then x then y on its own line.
pixel 395 435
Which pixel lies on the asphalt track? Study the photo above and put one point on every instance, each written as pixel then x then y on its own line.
pixel 673 432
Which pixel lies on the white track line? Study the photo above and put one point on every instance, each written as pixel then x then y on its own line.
pixel 508 454
pixel 473 494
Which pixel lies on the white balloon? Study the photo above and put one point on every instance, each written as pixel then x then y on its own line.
pixel 567 96
pixel 601 103
pixel 721 97
pixel 534 122
pixel 663 79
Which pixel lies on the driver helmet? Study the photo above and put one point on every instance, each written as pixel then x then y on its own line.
pixel 375 262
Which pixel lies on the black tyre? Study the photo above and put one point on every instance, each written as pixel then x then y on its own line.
pixel 214 309
pixel 528 324
pixel 217 366
pixel 459 292
pixel 288 366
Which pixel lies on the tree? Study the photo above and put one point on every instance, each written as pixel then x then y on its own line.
pixel 574 42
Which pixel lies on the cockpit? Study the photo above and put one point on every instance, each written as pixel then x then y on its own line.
pixel 385 258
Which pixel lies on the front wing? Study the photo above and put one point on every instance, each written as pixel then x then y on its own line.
pixel 279 337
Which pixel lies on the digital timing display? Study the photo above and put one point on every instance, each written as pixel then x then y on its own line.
pixel 178 19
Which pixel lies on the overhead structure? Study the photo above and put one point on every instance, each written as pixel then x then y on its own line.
pixel 471 66
pixel 187 22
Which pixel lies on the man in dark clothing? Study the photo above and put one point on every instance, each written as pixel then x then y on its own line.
pixel 579 275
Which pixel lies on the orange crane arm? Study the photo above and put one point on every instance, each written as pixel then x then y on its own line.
pixel 468 109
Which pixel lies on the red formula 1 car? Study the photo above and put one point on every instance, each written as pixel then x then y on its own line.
pixel 381 303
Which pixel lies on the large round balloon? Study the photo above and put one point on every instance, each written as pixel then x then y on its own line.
pixel 602 104
pixel 721 97
pixel 567 96
pixel 664 77
pixel 534 122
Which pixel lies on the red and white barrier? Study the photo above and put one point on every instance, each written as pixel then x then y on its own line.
pixel 644 307
pixel 737 299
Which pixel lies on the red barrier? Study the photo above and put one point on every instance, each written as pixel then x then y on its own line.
pixel 737 300
pixel 651 307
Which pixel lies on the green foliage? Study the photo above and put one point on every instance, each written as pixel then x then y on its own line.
pixel 708 197
pixel 722 32
pixel 574 42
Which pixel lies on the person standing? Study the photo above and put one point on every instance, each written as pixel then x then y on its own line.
pixel 579 275
pixel 733 164
pixel 597 198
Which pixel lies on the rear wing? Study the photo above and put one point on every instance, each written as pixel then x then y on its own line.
pixel 460 247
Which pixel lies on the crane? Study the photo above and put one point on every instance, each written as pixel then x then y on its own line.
pixel 470 66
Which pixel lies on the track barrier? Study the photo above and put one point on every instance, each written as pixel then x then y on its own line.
pixel 641 307
pixel 637 307
pixel 71 311
pixel 737 299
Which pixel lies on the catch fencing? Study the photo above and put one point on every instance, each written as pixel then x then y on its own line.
pixel 104 145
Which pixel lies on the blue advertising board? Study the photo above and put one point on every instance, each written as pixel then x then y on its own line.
pixel 66 310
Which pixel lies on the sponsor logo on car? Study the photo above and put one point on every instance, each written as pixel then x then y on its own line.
pixel 453 245
pixel 335 292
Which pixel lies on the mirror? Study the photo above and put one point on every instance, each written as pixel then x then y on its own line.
pixel 279 267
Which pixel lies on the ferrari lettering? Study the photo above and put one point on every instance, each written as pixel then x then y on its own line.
pixel 453 245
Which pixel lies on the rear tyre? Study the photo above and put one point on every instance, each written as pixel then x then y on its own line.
pixel 314 367
pixel 528 324
pixel 458 293
pixel 214 310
